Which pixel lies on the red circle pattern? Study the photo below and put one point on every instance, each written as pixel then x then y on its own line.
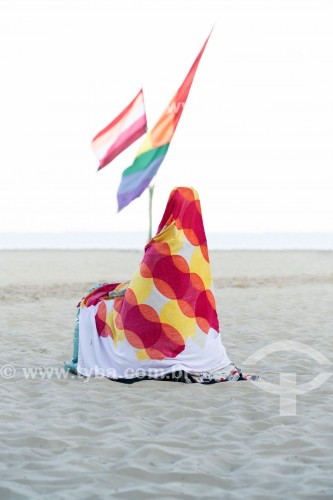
pixel 173 280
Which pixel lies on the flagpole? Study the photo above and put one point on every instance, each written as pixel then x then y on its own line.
pixel 151 192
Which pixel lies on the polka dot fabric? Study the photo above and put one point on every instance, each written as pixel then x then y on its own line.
pixel 167 314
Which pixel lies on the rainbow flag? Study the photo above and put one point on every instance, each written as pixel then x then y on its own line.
pixel 126 128
pixel 136 178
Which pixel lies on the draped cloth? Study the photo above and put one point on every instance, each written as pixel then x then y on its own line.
pixel 164 319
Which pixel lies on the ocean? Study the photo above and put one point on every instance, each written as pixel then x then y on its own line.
pixel 137 240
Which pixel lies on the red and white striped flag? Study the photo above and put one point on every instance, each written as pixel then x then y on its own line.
pixel 126 128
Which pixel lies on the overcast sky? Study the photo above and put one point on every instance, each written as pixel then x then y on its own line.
pixel 255 137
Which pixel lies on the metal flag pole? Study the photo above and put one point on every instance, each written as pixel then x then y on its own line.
pixel 151 192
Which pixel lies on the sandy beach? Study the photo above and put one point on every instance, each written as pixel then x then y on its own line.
pixel 68 437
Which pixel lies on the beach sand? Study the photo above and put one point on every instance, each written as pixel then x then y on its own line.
pixel 88 439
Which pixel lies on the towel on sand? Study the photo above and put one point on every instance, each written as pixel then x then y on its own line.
pixel 163 322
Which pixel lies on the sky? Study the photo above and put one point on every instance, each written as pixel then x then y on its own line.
pixel 255 136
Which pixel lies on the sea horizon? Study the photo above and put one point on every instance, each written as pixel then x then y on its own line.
pixel 136 240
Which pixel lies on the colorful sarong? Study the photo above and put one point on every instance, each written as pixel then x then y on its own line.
pixel 163 321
